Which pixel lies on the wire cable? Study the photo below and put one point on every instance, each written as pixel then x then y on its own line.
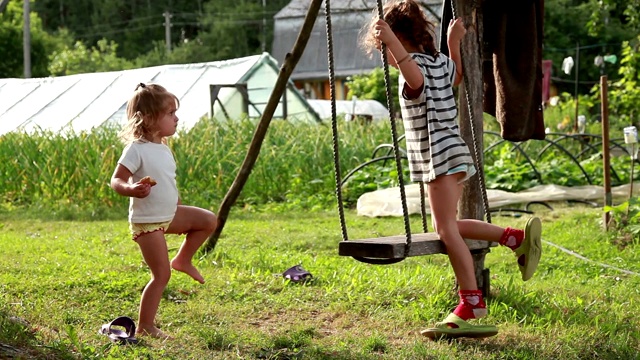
pixel 575 254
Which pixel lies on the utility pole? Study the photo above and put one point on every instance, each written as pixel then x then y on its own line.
pixel 26 40
pixel 575 126
pixel 167 30
pixel 264 26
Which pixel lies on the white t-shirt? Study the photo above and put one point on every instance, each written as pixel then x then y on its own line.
pixel 155 160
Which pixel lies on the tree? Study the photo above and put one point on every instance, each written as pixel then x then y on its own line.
pixel 202 30
pixel 80 59
pixel 371 86
pixel 567 25
pixel 11 46
pixel 133 24
pixel 235 29
pixel 624 92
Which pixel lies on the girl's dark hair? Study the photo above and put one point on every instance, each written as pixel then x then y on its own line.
pixel 408 21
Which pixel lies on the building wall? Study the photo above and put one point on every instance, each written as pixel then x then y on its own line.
pixel 347 20
pixel 321 89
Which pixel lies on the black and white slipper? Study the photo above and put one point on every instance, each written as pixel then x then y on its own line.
pixel 121 330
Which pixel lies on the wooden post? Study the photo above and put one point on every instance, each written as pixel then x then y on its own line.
pixel 290 61
pixel 471 205
pixel 604 112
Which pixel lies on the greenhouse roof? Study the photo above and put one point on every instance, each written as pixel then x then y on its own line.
pixel 84 101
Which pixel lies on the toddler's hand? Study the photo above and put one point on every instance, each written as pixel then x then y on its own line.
pixel 140 190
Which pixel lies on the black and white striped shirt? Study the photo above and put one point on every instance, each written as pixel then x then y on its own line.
pixel 432 136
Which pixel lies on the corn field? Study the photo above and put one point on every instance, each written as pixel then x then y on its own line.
pixel 70 172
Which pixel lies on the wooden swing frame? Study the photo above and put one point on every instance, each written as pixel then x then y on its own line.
pixel 395 248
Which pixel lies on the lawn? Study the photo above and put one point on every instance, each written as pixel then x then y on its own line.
pixel 61 280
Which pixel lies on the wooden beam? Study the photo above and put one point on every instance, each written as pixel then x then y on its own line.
pixel 470 100
pixel 393 247
pixel 470 206
pixel 290 62
pixel 3 5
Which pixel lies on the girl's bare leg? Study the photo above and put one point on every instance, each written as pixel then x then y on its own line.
pixel 479 230
pixel 444 193
pixel 154 251
pixel 198 224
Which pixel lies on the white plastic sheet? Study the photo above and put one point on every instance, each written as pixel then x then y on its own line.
pixel 387 202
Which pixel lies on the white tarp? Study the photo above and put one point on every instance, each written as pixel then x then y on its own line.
pixel 387 202
pixel 83 101
pixel 349 108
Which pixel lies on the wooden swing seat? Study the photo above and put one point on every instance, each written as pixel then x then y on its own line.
pixel 393 247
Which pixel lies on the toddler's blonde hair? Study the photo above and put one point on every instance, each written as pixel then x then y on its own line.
pixel 144 109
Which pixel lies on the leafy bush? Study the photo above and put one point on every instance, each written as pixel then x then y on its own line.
pixel 371 86
pixel 625 221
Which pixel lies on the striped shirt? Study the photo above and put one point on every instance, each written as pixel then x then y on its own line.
pixel 432 136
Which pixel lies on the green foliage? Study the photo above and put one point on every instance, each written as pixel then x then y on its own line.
pixel 202 30
pixel 624 94
pixel 11 43
pixel 69 173
pixel 371 86
pixel 561 117
pixel 625 221
pixel 618 21
pixel 506 170
pixel 133 25
pixel 79 59
pixel 566 26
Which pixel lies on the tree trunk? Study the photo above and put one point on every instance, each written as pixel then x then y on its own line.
pixel 470 100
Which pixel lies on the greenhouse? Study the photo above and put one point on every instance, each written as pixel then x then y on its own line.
pixel 221 89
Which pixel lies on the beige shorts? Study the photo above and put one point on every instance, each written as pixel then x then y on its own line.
pixel 140 229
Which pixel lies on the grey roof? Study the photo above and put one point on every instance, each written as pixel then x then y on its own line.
pixel 297 8
pixel 347 19
pixel 81 102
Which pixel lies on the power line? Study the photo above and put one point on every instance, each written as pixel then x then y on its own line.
pixel 111 25
pixel 573 49
pixel 118 31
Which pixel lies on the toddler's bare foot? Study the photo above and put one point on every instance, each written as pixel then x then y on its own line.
pixel 188 269
pixel 153 332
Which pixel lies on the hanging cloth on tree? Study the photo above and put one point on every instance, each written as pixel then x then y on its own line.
pixel 511 66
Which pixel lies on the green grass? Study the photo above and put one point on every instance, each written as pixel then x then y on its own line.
pixel 67 278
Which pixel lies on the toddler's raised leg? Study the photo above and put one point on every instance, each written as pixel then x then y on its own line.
pixel 197 224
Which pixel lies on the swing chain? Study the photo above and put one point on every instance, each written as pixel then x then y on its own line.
pixel 394 135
